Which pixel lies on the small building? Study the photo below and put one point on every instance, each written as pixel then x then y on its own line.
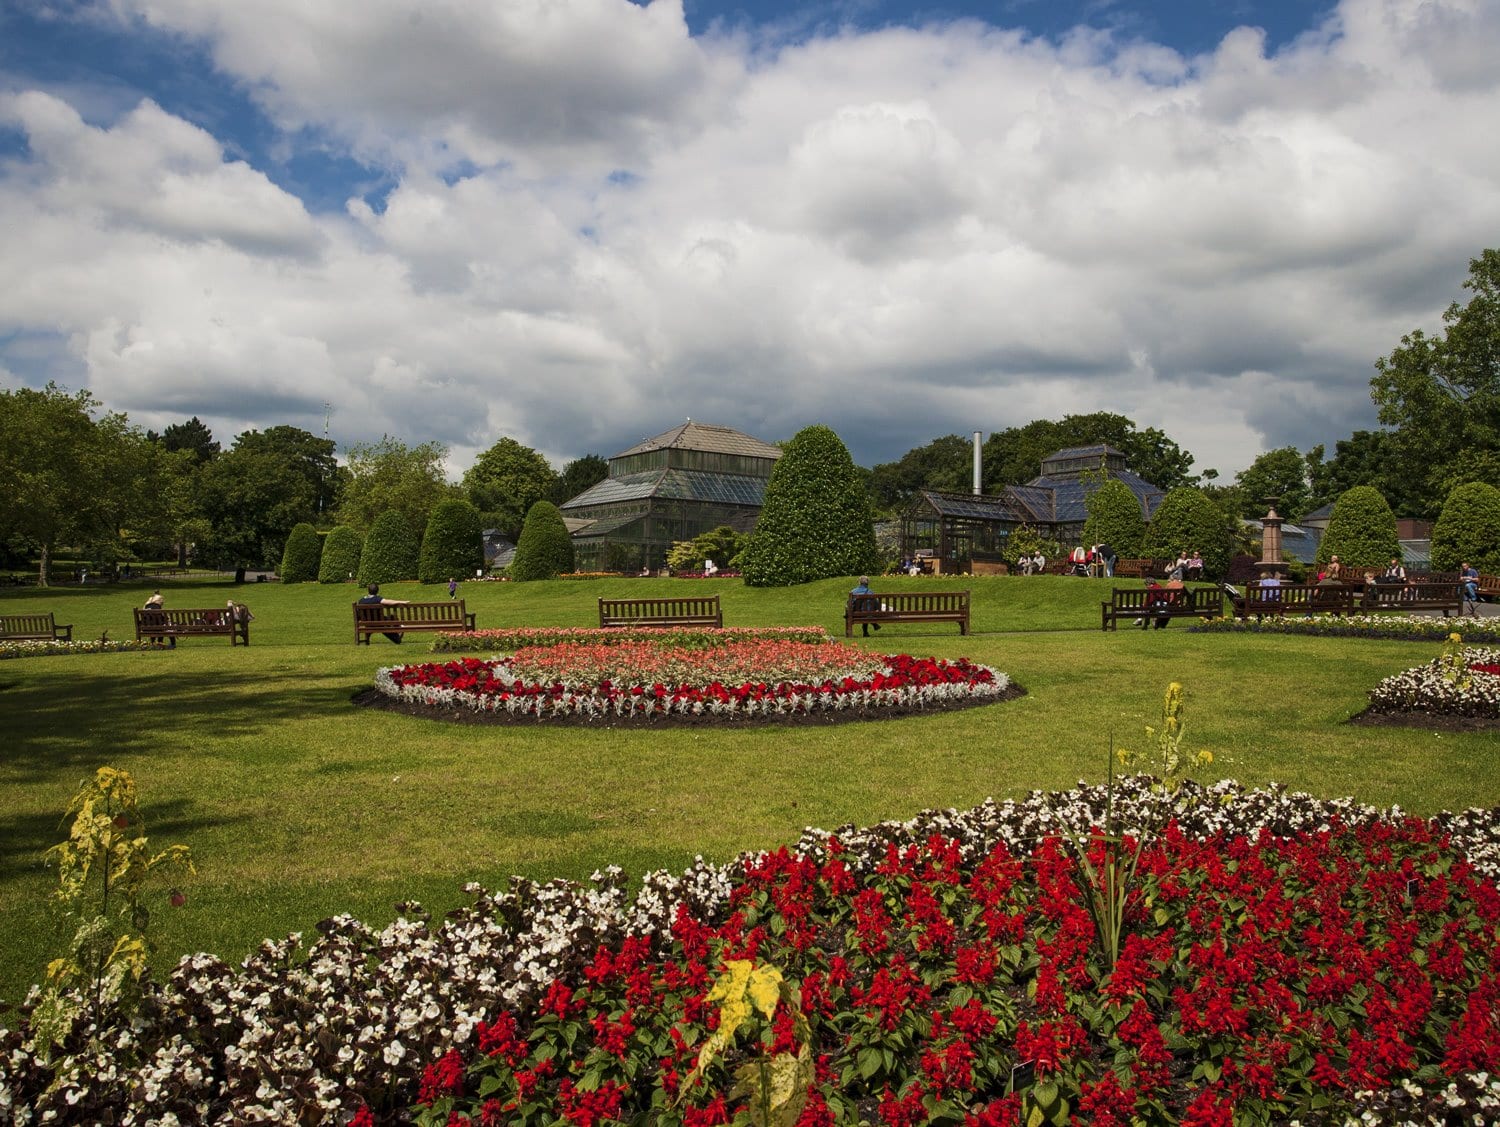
pixel 967 532
pixel 683 482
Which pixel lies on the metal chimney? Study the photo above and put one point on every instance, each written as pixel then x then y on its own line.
pixel 978 467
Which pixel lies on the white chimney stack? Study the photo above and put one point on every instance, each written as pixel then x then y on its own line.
pixel 978 467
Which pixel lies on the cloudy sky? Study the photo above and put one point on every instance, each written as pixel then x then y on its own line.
pixel 578 222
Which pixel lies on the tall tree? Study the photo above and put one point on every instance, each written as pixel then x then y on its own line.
pixel 1442 394
pixel 1280 473
pixel 252 496
pixel 1014 456
pixel 59 469
pixel 390 476
pixel 1369 457
pixel 192 435
pixel 578 475
pixel 307 455
pixel 506 480
pixel 944 464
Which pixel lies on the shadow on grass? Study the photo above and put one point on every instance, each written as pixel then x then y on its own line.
pixel 25 838
pixel 60 726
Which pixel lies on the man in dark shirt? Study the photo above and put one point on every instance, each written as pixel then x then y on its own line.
pixel 374 599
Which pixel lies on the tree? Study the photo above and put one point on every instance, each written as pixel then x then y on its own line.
pixel 944 464
pixel 1442 394
pixel 1115 518
pixel 388 475
pixel 192 436
pixel 1280 473
pixel 305 454
pixel 341 551
pixel 252 496
pixel 1468 529
pixel 1014 456
pixel 1361 531
pixel 816 521
pixel 1366 457
pixel 390 552
pixel 506 480
pixel 304 550
pixel 544 549
pixel 452 545
pixel 722 545
pixel 577 476
pixel 1187 521
pixel 59 469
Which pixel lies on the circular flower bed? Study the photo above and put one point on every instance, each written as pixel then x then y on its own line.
pixel 648 680
pixel 1463 683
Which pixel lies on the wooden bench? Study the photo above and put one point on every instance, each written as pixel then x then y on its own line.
pixel 876 609
pixel 1152 603
pixel 33 628
pixel 692 610
pixel 400 618
pixel 1406 597
pixel 159 624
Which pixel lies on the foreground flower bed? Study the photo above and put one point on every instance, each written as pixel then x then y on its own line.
pixel 55 649
pixel 1295 957
pixel 1389 626
pixel 647 680
pixel 506 641
pixel 1464 683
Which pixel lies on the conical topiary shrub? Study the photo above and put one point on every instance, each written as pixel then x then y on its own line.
pixel 1468 529
pixel 341 552
pixel 300 557
pixel 545 549
pixel 1361 532
pixel 816 522
pixel 1115 518
pixel 390 553
pixel 453 544
pixel 1187 520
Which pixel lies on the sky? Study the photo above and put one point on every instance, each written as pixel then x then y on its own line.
pixel 577 223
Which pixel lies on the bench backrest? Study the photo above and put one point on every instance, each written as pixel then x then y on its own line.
pixel 1406 594
pixel 450 611
pixel 27 623
pixel 912 602
pixel 179 617
pixel 696 608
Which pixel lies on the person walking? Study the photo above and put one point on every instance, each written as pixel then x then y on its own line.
pixel 452 588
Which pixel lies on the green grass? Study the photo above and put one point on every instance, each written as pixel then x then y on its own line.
pixel 297 805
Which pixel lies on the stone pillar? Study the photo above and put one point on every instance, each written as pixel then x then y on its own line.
pixel 1270 562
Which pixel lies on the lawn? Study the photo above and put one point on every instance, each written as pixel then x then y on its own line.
pixel 298 805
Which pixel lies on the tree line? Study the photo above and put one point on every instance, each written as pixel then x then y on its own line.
pixel 81 478
pixel 1439 406
pixel 77 476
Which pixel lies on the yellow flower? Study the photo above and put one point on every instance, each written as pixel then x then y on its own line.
pixel 1205 757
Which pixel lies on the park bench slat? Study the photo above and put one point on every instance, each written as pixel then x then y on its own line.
pixel 156 624
pixel 399 618
pixel 33 628
pixel 906 606
pixel 687 610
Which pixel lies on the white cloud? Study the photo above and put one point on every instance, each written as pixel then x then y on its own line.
pixel 601 225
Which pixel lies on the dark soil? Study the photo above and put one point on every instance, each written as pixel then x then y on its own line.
pixel 458 714
pixel 1433 721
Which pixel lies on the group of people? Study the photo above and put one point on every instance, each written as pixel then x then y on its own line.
pixel 232 612
pixel 1097 559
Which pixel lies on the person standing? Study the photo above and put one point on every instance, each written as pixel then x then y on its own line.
pixel 158 619
pixel 1108 555
pixel 452 587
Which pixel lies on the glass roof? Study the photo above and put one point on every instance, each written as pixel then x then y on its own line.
pixel 678 485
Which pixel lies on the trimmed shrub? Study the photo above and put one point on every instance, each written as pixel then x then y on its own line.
pixel 545 550
pixel 1115 518
pixel 390 553
pixel 1187 520
pixel 300 558
pixel 452 545
pixel 341 551
pixel 1468 529
pixel 816 522
pixel 1361 531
